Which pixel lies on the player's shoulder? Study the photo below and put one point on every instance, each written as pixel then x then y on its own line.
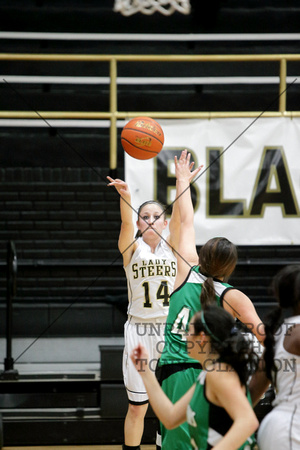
pixel 221 372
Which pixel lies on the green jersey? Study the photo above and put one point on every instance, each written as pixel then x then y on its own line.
pixel 207 422
pixel 184 303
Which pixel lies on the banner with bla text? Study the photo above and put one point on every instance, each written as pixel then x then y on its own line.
pixel 249 187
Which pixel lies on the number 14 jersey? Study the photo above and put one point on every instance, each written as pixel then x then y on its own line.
pixel 150 280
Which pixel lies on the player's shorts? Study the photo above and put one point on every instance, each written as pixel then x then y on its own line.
pixel 280 428
pixel 150 334
pixel 176 380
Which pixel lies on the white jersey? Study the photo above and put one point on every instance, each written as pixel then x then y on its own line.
pixel 280 428
pixel 150 280
pixel 288 375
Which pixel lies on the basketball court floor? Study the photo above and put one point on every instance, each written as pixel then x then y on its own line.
pixel 77 447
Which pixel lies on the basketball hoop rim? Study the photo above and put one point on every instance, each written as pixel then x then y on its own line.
pixel 149 7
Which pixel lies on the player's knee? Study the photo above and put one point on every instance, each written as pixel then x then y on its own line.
pixel 137 411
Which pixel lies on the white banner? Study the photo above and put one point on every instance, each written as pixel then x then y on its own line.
pixel 249 188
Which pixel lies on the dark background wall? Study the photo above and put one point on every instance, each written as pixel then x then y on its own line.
pixel 54 202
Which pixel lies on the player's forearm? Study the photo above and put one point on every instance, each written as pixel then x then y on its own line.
pixel 174 225
pixel 238 433
pixel 162 406
pixel 126 236
pixel 183 195
pixel 126 209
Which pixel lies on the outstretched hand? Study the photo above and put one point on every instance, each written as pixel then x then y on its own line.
pixel 120 185
pixel 184 166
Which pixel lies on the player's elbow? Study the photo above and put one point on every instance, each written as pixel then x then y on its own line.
pixel 169 425
pixel 248 423
pixel 253 423
pixel 171 422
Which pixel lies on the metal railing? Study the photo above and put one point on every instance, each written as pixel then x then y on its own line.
pixel 113 114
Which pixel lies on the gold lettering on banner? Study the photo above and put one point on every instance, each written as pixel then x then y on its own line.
pixel 273 187
pixel 216 204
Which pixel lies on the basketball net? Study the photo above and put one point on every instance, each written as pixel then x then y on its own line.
pixel 148 7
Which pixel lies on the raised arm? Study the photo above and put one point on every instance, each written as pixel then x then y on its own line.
pixel 241 307
pixel 187 246
pixel 126 242
pixel 171 415
pixel 174 224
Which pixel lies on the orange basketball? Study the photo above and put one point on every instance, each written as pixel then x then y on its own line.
pixel 142 138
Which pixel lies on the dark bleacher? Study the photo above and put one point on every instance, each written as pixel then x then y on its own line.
pixel 64 222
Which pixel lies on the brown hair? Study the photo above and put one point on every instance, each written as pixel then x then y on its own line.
pixel 217 259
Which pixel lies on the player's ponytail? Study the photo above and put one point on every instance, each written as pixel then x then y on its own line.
pixel 272 322
pixel 208 295
pixel 217 260
pixel 286 289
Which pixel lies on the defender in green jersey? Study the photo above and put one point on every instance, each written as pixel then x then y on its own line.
pixel 200 281
pixel 217 407
pixel 177 371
